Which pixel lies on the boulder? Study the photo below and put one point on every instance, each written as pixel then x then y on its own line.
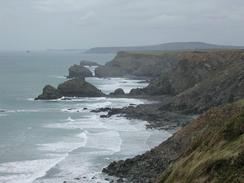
pixel 79 88
pixel 79 71
pixel 118 92
pixel 49 92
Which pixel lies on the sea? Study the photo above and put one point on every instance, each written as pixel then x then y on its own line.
pixel 62 140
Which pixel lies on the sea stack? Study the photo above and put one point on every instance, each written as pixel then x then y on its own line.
pixel 70 88
pixel 79 71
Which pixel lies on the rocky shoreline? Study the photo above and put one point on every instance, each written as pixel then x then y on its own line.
pixel 157 119
pixel 184 84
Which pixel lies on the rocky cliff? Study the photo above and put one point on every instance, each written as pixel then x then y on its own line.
pixel 138 64
pixel 200 80
pixel 209 149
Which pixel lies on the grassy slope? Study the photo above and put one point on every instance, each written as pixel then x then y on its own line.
pixel 217 152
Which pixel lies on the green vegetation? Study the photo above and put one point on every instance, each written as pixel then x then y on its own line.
pixel 216 153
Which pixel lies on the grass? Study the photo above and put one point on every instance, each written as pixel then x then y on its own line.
pixel 217 153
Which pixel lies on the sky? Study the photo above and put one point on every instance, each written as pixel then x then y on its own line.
pixel 66 24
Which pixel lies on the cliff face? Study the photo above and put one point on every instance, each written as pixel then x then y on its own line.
pixel 200 80
pixel 137 64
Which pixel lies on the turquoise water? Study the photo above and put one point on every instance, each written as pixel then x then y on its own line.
pixel 55 141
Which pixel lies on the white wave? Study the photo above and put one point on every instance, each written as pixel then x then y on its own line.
pixel 93 121
pixel 70 119
pixel 26 171
pixel 110 84
pixel 92 69
pixel 108 140
pixel 58 77
pixel 27 110
pixel 62 147
pixel 30 99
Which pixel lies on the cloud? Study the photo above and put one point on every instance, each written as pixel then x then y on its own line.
pixel 84 23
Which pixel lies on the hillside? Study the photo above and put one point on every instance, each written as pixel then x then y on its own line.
pixel 211 148
pixel 174 46
pixel 216 151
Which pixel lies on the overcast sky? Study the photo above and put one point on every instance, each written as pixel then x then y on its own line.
pixel 42 24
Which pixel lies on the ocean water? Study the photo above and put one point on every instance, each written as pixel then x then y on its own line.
pixel 56 141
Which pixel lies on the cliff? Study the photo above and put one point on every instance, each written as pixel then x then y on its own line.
pixel 138 64
pixel 200 80
pixel 209 149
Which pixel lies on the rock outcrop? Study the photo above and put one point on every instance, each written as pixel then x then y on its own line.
pixel 118 92
pixel 137 64
pixel 70 88
pixel 221 87
pixel 191 69
pixel 79 88
pixel 79 71
pixel 49 92
pixel 200 80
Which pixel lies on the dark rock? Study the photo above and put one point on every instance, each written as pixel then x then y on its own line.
pixel 70 88
pixel 85 108
pixel 104 116
pixel 49 93
pixel 120 180
pixel 79 88
pixel 118 92
pixel 136 92
pixel 79 71
pixel 106 109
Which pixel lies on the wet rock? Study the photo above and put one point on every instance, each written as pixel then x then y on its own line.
pixel 49 92
pixel 79 88
pixel 118 92
pixel 70 88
